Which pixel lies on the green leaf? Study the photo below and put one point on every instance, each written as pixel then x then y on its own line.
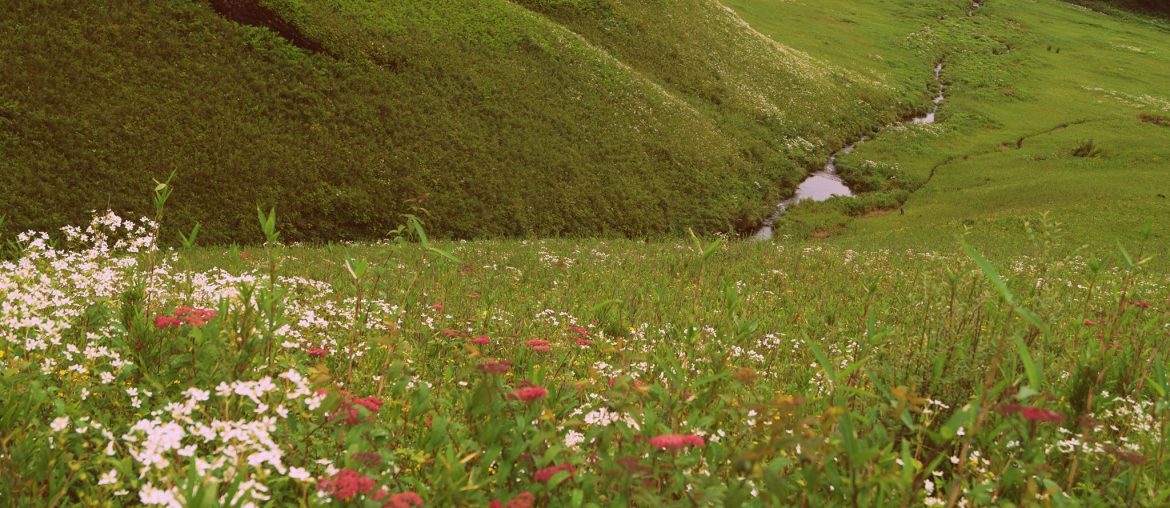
pixel 1030 368
pixel 1001 287
pixel 962 418
pixel 445 254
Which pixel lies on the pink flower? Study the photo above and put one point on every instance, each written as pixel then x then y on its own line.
pixel 438 306
pixel 195 317
pixel 346 484
pixel 404 500
pixel 547 473
pixel 450 333
pixel 1036 414
pixel 481 340
pixel 580 331
pixel 538 345
pixel 583 342
pixel 371 403
pixel 528 393
pixel 676 441
pixel 350 411
pixel 317 352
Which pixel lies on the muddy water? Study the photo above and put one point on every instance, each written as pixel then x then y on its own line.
pixel 825 183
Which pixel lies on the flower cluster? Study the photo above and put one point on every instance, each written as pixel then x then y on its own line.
pixel 676 441
pixel 190 316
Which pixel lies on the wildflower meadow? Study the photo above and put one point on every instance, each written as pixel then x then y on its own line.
pixel 554 373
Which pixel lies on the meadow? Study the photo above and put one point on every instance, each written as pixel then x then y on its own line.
pixel 574 373
pixel 495 259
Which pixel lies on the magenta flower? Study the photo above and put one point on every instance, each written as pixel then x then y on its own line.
pixel 676 441
pixel 528 393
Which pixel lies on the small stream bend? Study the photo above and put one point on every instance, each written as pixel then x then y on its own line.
pixel 826 183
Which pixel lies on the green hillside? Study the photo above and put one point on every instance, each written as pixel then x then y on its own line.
pixel 982 323
pixel 497 118
pixel 1051 108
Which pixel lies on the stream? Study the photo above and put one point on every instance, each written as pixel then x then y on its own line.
pixel 825 183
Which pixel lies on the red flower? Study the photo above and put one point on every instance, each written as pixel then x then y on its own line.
pixel 438 306
pixel 1090 322
pixel 404 500
pixel 350 408
pixel 529 393
pixel 1036 414
pixel 584 342
pixel 1142 304
pixel 164 322
pixel 371 403
pixel 195 317
pixel 676 441
pixel 547 473
pixel 450 333
pixel 482 340
pixel 580 331
pixel 522 500
pixel 346 484
pixel 496 367
pixel 316 352
pixel 538 345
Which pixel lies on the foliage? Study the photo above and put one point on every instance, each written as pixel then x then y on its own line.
pixel 578 374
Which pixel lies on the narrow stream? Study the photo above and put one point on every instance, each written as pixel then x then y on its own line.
pixel 825 183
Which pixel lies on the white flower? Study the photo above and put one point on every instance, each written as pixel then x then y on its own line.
pixel 109 477
pixel 149 495
pixel 574 438
pixel 59 424
pixel 299 474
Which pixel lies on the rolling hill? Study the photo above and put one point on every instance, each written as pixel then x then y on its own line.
pixel 486 117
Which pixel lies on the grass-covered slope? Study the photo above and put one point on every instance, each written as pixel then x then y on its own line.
pixel 1051 107
pixel 496 119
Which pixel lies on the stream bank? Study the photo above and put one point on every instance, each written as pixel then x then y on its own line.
pixel 826 183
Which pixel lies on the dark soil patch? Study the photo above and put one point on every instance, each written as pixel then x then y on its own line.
pixel 1164 121
pixel 250 12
